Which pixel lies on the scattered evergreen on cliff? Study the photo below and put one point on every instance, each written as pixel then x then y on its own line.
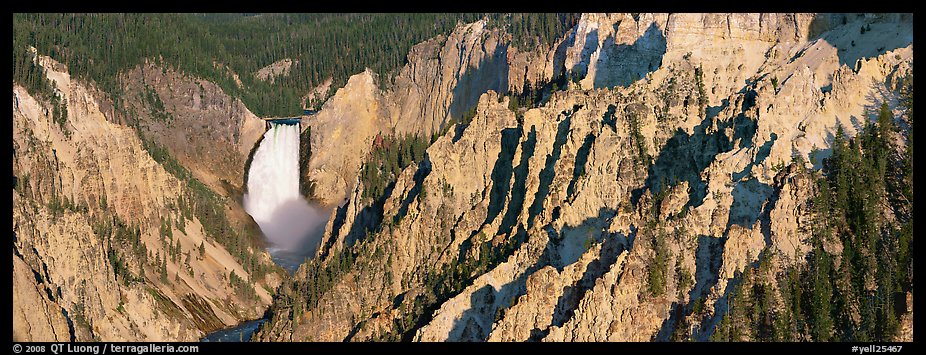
pixel 389 156
pixel 853 284
pixel 209 208
pixel 30 75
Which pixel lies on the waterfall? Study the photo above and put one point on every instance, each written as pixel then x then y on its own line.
pixel 287 220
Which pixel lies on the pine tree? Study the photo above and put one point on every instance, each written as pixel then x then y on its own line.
pixel 820 267
pixel 821 317
pixel 796 324
pixel 163 267
pixel 836 166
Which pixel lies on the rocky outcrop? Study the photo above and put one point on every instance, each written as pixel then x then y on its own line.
pixel 906 321
pixel 443 79
pixel 788 221
pixel 610 211
pixel 347 123
pixel 35 315
pixel 533 67
pixel 446 77
pixel 95 220
pixel 275 69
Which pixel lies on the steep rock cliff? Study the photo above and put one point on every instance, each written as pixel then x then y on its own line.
pixel 443 79
pixel 207 131
pixel 102 249
pixel 546 223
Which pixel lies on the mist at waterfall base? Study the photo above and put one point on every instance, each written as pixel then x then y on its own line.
pixel 293 227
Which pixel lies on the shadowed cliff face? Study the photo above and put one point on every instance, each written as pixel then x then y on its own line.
pixel 204 128
pixel 544 224
pixel 622 64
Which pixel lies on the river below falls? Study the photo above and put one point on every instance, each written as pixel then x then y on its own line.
pixel 288 259
pixel 240 333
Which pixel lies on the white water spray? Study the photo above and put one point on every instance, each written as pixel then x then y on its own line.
pixel 273 197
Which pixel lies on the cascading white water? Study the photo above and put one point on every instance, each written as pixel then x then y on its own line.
pixel 273 197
